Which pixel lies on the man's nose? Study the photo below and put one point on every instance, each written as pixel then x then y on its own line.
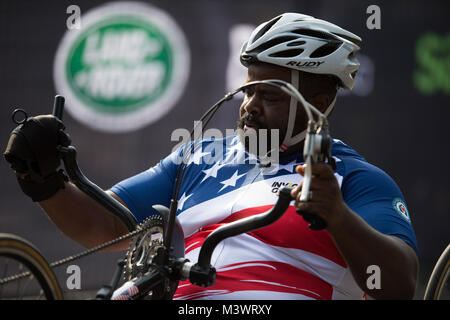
pixel 253 105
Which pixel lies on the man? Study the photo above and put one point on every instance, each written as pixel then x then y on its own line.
pixel 368 226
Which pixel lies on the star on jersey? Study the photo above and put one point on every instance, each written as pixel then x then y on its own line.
pixel 197 157
pixel 231 182
pixel 212 172
pixel 235 153
pixel 183 200
pixel 289 166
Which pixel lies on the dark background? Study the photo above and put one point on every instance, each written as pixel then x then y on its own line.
pixel 395 126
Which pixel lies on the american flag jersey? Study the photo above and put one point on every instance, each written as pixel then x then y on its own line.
pixel 285 260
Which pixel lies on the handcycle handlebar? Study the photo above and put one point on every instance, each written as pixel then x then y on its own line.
pixel 58 107
pixel 201 273
pixel 94 191
pixel 84 184
pixel 244 225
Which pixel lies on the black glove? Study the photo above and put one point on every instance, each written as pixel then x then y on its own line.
pixel 32 153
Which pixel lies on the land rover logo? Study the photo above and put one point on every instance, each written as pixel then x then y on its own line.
pixel 124 69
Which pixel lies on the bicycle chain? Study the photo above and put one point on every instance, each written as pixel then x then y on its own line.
pixel 58 263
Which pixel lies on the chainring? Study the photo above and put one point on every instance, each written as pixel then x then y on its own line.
pixel 142 250
pixel 143 247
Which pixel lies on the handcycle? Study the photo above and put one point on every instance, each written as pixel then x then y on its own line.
pixel 155 261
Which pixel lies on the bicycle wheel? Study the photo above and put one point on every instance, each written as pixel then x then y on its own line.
pixel 17 255
pixel 438 287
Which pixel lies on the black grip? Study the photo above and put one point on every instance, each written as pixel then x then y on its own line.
pixel 58 107
pixel 315 222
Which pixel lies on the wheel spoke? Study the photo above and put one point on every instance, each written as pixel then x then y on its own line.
pixel 25 274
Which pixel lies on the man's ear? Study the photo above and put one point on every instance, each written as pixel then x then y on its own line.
pixel 321 101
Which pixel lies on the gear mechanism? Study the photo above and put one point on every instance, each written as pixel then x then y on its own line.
pixel 141 253
pixel 143 247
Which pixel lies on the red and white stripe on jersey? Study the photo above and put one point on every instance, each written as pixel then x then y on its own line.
pixel 285 260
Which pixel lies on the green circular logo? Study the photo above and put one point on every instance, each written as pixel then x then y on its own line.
pixel 125 68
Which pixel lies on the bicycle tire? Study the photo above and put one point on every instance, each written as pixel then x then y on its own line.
pixel 21 250
pixel 439 276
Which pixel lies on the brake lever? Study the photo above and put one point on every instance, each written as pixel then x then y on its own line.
pixel 317 148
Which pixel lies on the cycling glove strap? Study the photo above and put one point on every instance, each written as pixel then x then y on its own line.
pixel 39 191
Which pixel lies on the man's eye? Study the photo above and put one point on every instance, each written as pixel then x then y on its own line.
pixel 272 98
pixel 247 90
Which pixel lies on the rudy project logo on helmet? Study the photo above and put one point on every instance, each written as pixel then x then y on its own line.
pixel 305 64
pixel 124 69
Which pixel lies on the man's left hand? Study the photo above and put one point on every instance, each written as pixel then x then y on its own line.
pixel 325 198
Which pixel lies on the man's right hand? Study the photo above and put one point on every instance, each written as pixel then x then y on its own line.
pixel 33 154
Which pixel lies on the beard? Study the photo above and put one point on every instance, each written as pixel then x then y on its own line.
pixel 257 139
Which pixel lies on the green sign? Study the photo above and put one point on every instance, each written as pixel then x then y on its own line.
pixel 433 59
pixel 125 68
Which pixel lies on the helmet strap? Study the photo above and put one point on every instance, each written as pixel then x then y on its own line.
pixel 289 140
pixel 292 114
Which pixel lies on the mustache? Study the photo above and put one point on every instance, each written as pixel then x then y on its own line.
pixel 246 117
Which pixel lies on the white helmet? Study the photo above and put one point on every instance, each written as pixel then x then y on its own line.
pixel 304 43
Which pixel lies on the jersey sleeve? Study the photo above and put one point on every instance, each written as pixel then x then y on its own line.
pixel 148 188
pixel 372 194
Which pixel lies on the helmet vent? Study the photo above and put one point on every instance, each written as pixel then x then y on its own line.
pixel 356 41
pixel 272 43
pixel 287 53
pixel 296 43
pixel 266 28
pixel 325 50
pixel 314 33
